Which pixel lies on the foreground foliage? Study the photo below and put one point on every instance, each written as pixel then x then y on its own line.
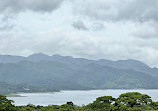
pixel 132 101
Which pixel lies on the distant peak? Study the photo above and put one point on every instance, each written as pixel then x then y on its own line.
pixel 132 60
pixel 38 54
pixel 56 55
pixel 60 56
pixel 104 60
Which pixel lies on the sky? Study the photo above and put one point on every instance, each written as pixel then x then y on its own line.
pixel 93 29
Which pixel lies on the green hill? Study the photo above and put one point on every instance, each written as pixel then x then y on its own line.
pixel 52 73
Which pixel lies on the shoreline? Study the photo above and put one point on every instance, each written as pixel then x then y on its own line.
pixel 18 94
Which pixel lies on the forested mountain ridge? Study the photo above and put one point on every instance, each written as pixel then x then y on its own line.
pixel 121 64
pixel 65 72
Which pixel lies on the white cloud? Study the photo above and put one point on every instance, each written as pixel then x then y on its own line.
pixel 147 30
pixel 116 29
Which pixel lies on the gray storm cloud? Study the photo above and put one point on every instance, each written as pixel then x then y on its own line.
pixel 115 10
pixel 35 5
pixel 142 12
pixel 9 8
pixel 79 25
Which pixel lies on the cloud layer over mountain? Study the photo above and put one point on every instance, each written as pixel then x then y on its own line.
pixel 110 29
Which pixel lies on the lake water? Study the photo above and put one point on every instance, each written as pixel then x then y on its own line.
pixel 78 97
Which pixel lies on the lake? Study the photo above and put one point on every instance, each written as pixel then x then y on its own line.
pixel 78 97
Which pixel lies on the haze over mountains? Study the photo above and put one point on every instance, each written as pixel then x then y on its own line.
pixel 40 72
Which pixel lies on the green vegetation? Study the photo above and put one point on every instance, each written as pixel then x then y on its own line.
pixel 12 89
pixel 43 73
pixel 6 105
pixel 132 101
pixel 54 76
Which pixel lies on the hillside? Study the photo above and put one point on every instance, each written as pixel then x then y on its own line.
pixel 67 73
pixel 79 62
pixel 6 88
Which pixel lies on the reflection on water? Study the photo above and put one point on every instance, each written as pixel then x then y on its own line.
pixel 76 96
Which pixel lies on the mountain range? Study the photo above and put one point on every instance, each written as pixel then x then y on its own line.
pixel 41 72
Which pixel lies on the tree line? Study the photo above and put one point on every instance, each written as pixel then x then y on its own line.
pixel 131 101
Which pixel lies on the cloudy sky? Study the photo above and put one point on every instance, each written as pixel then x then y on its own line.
pixel 94 29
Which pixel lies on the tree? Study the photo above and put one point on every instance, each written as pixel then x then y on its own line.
pixel 5 104
pixel 102 103
pixel 133 100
